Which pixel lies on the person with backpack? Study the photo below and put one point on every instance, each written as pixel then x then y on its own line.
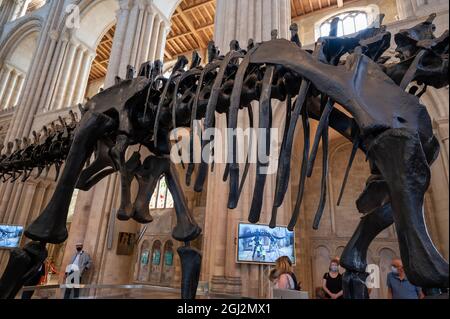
pixel 282 275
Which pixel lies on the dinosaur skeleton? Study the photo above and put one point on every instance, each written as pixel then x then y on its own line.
pixel 386 122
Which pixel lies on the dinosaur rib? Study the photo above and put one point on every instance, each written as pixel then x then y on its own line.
pixel 323 125
pixel 232 168
pixel 349 166
pixel 265 123
pixel 191 166
pixel 287 120
pixel 210 116
pixel 301 184
pixel 285 156
pixel 323 184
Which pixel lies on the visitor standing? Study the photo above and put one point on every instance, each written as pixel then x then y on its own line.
pixel 332 281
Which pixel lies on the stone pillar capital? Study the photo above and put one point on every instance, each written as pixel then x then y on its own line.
pixel 143 4
pixel 75 42
pixel 125 5
pixel 53 34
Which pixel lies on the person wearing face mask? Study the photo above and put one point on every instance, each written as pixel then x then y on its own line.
pixel 80 263
pixel 398 285
pixel 332 281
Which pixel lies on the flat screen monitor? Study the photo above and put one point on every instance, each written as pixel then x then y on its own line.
pixel 10 236
pixel 260 244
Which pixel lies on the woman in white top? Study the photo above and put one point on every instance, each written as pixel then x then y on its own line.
pixel 281 275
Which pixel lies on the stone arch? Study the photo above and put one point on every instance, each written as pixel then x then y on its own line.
pixel 371 10
pixel 345 215
pixel 96 18
pixel 320 260
pixel 17 53
pixel 167 7
pixel 98 14
pixel 78 50
pixel 18 33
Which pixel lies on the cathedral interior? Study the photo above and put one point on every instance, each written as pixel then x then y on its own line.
pixel 55 55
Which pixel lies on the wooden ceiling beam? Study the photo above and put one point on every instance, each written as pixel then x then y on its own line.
pixel 206 27
pixel 302 5
pixel 198 5
pixel 311 5
pixel 188 23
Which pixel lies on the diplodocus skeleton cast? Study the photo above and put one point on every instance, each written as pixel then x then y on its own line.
pixel 386 121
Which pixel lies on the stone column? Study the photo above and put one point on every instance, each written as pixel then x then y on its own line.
pixel 6 12
pixel 9 91
pixel 240 20
pixel 74 73
pixel 137 38
pixel 155 35
pixel 17 91
pixel 4 79
pixel 405 9
pixel 83 77
pixel 64 79
pixel 161 44
pixel 11 10
pixel 20 8
pixel 437 104
pixel 119 36
pixel 55 67
pixel 30 99
pixel 147 35
pixel 23 7
pixel 129 40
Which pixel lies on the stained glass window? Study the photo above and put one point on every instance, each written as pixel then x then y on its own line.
pixel 161 198
pixel 156 260
pixel 349 22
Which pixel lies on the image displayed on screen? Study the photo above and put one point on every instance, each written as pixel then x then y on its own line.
pixel 10 236
pixel 262 244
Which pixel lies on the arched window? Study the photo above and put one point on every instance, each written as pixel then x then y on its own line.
pixel 161 198
pixel 349 22
pixel 156 253
pixel 168 254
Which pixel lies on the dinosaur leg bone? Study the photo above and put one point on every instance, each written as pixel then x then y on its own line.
pixel 127 173
pixel 100 168
pixel 399 156
pixel 148 176
pixel 354 256
pixel 186 228
pixel 50 226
